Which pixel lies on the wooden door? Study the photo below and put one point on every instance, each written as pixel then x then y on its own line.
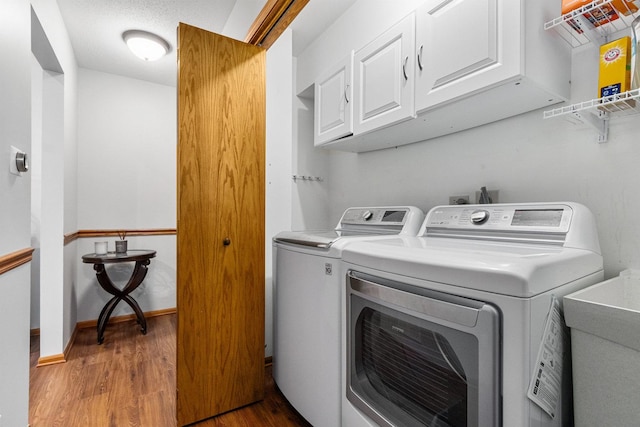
pixel 220 242
pixel 333 106
pixel 383 79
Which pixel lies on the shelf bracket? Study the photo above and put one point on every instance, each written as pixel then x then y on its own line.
pixel 594 34
pixel 598 120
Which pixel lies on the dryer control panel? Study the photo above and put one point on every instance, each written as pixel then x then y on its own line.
pixel 566 223
pixel 547 219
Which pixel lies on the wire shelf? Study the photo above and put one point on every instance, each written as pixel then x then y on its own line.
pixel 596 112
pixel 593 22
pixel 624 103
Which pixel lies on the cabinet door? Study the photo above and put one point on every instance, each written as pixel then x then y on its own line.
pixel 333 106
pixel 463 46
pixel 383 78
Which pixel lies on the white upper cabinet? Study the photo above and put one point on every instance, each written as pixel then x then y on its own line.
pixel 452 65
pixel 462 46
pixel 384 79
pixel 333 103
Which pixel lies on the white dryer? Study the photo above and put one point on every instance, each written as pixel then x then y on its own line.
pixel 308 296
pixel 443 329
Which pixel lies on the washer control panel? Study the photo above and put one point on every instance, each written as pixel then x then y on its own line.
pixel 374 216
pixel 381 220
pixel 479 216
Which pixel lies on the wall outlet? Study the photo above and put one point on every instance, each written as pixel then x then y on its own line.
pixel 493 195
pixel 458 200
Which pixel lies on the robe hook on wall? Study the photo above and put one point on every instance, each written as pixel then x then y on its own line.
pixel 307 178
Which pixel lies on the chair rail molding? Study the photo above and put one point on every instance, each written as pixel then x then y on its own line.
pixel 15 259
pixel 70 237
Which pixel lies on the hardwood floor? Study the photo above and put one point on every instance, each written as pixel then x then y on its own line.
pixel 130 381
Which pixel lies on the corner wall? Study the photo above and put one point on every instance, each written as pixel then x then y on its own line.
pixel 15 129
pixel 57 318
pixel 126 180
pixel 278 158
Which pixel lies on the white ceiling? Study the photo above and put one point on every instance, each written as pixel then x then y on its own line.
pixel 96 26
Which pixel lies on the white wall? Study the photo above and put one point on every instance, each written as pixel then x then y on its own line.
pixel 126 180
pixel 15 223
pixel 278 159
pixel 525 157
pixel 14 335
pixel 126 152
pixel 310 198
pixel 35 160
pixel 56 322
pixel 241 18
pixel 52 336
pixel 15 119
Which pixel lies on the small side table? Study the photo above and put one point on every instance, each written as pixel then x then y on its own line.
pixel 142 258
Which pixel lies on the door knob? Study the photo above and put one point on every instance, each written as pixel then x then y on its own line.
pixel 226 241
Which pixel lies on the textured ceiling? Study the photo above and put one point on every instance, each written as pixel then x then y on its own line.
pixel 96 26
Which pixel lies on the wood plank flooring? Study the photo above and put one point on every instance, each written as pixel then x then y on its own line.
pixel 130 381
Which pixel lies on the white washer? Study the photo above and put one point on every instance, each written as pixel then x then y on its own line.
pixel 308 295
pixel 467 299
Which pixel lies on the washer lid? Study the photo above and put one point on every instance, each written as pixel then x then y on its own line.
pixel 319 239
pixel 316 239
pixel 520 270
pixel 359 222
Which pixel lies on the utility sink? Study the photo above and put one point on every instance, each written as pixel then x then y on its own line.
pixel 610 309
pixel 605 351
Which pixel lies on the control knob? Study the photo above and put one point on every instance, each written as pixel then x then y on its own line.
pixel 367 215
pixel 479 217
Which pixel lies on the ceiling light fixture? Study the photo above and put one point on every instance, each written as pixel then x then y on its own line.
pixel 145 45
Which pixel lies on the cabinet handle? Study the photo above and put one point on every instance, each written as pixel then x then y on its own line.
pixel 404 68
pixel 226 241
pixel 420 57
pixel 346 94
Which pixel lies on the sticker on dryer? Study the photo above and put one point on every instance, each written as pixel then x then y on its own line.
pixel 328 269
pixel 546 381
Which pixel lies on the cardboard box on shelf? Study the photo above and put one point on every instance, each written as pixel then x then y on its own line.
pixel 599 15
pixel 571 5
pixel 625 7
pixel 615 67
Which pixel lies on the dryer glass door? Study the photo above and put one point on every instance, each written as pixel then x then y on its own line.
pixel 420 357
